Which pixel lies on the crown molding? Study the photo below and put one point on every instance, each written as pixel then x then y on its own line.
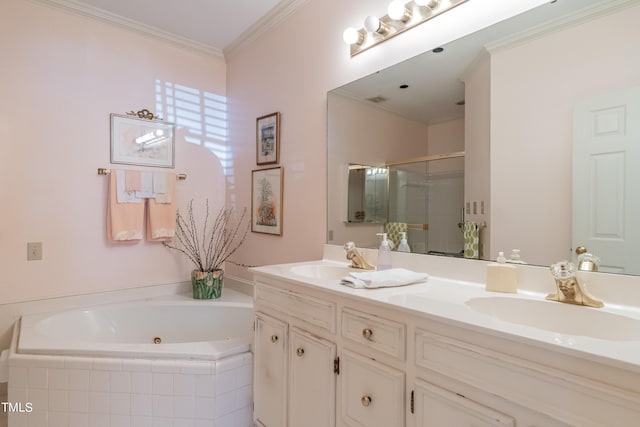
pixel 104 16
pixel 272 19
pixel 561 23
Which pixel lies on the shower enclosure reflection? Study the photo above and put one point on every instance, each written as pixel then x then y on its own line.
pixel 426 198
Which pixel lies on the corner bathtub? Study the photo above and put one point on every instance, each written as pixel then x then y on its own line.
pixel 100 365
pixel 192 329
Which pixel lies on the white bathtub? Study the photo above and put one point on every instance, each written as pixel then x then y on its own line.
pixel 177 328
pixel 99 365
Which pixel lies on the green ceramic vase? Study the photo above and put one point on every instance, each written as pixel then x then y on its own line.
pixel 206 284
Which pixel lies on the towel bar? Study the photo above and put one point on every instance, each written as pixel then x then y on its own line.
pixel 105 171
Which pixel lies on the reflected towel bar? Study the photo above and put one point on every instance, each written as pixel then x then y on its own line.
pixel 105 171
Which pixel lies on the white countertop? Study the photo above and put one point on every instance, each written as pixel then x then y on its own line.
pixel 447 300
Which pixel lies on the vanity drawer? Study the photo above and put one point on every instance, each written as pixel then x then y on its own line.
pixel 372 393
pixel 306 309
pixel 379 334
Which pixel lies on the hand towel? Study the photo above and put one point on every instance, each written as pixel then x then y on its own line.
pixel 125 186
pixel 163 186
pixel 125 221
pixel 131 181
pixel 161 217
pixel 146 185
pixel 471 240
pixel 383 278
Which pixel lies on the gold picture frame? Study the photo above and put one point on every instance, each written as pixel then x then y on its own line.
pixel 268 139
pixel 266 200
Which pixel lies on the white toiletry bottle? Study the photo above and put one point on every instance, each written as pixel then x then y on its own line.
pixel 515 257
pixel 502 277
pixel 384 253
pixel 403 246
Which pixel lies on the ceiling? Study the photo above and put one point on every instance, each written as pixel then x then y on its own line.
pixel 434 81
pixel 215 24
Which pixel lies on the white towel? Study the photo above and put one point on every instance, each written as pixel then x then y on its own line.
pixel 383 278
pixel 122 195
pixel 146 185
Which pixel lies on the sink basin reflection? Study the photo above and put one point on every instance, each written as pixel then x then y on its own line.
pixel 319 271
pixel 560 318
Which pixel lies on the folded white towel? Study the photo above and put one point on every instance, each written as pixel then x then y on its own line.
pixel 122 195
pixel 383 278
pixel 146 185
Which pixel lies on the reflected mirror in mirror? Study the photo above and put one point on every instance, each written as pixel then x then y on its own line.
pixel 520 94
pixel 367 194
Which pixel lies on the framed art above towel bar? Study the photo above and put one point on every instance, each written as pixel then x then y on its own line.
pixel 105 171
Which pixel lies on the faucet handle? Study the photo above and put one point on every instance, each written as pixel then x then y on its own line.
pixel 349 246
pixel 563 270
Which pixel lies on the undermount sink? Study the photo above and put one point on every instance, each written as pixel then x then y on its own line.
pixel 319 271
pixel 558 317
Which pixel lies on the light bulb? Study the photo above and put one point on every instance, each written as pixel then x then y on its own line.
pixel 352 36
pixel 427 3
pixel 397 11
pixel 371 24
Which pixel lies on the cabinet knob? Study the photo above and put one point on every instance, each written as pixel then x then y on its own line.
pixel 367 333
pixel 274 338
pixel 299 351
pixel 366 400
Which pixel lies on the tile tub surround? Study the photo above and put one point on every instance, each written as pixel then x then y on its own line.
pixel 68 391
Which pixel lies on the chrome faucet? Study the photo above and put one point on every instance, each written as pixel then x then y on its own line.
pixel 356 258
pixel 569 290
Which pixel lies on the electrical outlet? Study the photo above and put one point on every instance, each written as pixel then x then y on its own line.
pixel 34 251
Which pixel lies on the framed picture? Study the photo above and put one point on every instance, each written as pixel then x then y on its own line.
pixel 268 139
pixel 266 201
pixel 144 142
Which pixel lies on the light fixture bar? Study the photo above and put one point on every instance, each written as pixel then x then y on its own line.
pixel 415 12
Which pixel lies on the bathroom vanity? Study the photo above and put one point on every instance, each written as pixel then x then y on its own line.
pixel 445 352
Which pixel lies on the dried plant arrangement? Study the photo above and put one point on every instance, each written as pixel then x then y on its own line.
pixel 210 245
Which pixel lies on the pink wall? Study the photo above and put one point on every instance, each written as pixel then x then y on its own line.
pixel 62 75
pixel 531 123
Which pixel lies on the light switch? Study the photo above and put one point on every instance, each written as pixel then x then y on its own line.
pixel 34 251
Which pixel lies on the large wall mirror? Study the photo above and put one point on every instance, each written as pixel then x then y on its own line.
pixel 545 107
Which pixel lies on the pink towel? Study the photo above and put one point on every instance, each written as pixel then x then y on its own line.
pixel 124 220
pixel 161 217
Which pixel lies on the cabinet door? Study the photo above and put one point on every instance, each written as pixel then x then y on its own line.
pixel 270 371
pixel 372 393
pixel 435 407
pixel 312 385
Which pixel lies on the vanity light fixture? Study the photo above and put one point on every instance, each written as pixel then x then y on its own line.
pixel 400 17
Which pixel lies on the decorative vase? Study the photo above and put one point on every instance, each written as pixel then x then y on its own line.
pixel 206 284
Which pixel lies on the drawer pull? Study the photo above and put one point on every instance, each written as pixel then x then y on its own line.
pixel 367 333
pixel 299 351
pixel 274 338
pixel 366 400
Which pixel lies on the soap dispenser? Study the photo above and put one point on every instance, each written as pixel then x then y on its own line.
pixel 384 253
pixel 502 277
pixel 403 246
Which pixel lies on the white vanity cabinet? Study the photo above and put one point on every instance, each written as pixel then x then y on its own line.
pixel 328 356
pixel 294 378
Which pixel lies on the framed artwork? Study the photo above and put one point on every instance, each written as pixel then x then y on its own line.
pixel 268 139
pixel 142 141
pixel 266 200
